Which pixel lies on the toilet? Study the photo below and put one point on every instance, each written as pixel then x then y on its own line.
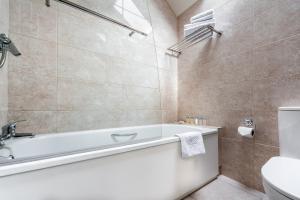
pixel 281 175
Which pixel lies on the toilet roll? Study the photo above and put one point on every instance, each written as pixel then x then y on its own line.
pixel 246 131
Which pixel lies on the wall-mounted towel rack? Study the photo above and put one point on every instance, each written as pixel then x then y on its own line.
pixel 195 37
pixel 84 9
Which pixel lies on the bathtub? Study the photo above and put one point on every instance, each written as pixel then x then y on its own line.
pixel 132 163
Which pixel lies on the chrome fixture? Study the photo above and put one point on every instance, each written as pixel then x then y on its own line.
pixel 10 153
pixel 248 122
pixel 130 136
pixel 9 131
pixel 84 9
pixel 6 45
pixel 195 37
pixel 198 120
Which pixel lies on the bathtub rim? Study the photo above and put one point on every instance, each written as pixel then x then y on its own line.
pixel 23 167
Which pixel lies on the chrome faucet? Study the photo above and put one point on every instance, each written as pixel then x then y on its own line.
pixel 9 131
pixel 7 45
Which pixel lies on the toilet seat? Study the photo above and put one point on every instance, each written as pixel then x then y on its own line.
pixel 283 175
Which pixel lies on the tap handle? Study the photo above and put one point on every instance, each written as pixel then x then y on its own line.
pixel 15 122
pixel 12 126
pixel 4 39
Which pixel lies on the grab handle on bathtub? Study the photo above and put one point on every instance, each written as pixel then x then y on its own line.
pixel 130 135
pixel 123 135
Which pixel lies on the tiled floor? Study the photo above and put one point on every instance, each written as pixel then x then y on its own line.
pixel 225 189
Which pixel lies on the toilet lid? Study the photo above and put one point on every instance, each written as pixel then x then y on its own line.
pixel 283 174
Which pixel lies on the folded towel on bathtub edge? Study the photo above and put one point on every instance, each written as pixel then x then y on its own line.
pixel 191 144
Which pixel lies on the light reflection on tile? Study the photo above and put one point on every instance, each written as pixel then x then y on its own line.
pixel 80 72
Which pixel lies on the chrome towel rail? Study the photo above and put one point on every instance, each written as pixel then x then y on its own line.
pixel 84 9
pixel 195 37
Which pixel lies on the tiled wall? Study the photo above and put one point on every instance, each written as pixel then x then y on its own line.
pixel 250 71
pixel 79 72
pixel 4 21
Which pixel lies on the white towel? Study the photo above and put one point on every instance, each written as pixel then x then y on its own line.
pixel 208 12
pixel 200 24
pixel 191 144
pixel 201 19
pixel 191 28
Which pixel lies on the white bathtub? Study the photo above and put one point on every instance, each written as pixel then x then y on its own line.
pixel 94 165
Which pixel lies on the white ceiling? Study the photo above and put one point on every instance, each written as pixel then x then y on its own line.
pixel 179 6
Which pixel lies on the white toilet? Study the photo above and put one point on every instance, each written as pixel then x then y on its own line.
pixel 281 175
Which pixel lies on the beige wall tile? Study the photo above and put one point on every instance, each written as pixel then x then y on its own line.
pixel 233 64
pixel 168 80
pixel 32 76
pixel 88 33
pixel 143 117
pixel 266 127
pixel 89 119
pixel 165 32
pixel 165 61
pixel 164 23
pixel 86 73
pixel 31 91
pixel 237 38
pixel 269 94
pixel 248 72
pixel 190 71
pixel 82 65
pixel 142 98
pixel 161 9
pixel 78 95
pixel 234 96
pixel 37 121
pixel 169 100
pixel 4 21
pixel 36 55
pixel 131 73
pixel 278 59
pixel 271 24
pixel 234 12
pixel 3 74
pixel 169 116
pixel 3 117
pixel 262 153
pixel 263 5
pixel 3 97
pixel 237 160
pixel 32 18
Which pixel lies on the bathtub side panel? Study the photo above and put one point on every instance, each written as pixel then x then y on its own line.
pixel 153 173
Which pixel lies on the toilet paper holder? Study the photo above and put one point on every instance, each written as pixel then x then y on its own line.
pixel 247 128
pixel 248 122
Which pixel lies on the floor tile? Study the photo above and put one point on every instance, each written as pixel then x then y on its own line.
pixel 225 189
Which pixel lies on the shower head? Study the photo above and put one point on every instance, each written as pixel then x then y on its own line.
pixel 7 45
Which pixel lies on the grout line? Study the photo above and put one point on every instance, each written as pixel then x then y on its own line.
pixel 266 145
pixel 57 55
pixel 88 110
pixel 87 50
pixel 276 41
pixel 157 68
